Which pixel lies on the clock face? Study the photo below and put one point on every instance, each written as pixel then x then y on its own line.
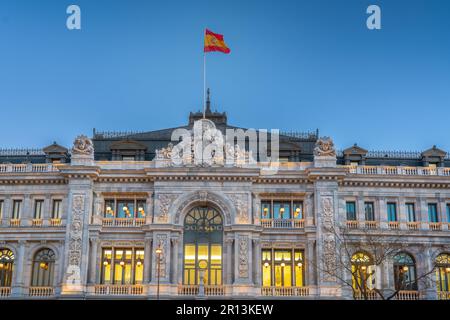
pixel 203 264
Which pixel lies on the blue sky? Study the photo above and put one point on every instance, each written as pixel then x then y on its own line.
pixel 294 65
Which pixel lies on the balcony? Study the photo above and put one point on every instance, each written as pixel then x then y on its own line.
pixel 352 224
pixel 14 222
pixel 443 295
pixel 371 225
pixel 36 222
pixel 285 291
pixel 41 292
pixel 283 223
pixel 408 295
pixel 118 289
pixel 413 225
pixel 123 222
pixel 193 290
pixel 435 226
pixel 55 222
pixel 5 291
pixel 393 170
pixel 394 225
pixel 370 295
pixel 27 168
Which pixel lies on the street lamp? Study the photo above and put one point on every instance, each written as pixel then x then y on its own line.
pixel 158 252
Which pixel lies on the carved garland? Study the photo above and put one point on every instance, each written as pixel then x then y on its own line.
pixel 328 239
pixel 243 256
pixel 75 240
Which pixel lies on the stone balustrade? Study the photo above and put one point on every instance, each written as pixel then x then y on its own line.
pixel 193 290
pixel 55 222
pixel 118 289
pixel 408 295
pixel 285 291
pixel 398 170
pixel 443 295
pixel 5 291
pixel 41 291
pixel 123 222
pixel 400 226
pixel 283 223
pixel 27 168
pixel 36 222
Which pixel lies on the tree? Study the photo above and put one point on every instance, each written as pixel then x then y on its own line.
pixel 361 253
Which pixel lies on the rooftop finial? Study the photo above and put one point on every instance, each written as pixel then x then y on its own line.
pixel 208 102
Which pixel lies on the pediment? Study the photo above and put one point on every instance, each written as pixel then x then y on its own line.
pixel 355 150
pixel 434 152
pixel 55 148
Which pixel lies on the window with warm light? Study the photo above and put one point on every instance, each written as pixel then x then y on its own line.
pixel 6 267
pixel 363 272
pixel 125 208
pixel 203 236
pixel 443 272
pixel 282 267
pixel 43 268
pixel 122 266
pixel 404 272
pixel 282 210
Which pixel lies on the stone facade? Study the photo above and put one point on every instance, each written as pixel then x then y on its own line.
pixel 323 186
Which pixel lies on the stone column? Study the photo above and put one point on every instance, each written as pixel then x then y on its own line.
pixel 93 265
pixel 257 262
pixel 161 240
pixel 47 213
pixel 147 259
pixel 382 213
pixel 228 257
pixel 309 210
pixel 423 213
pixel 174 262
pixel 360 214
pixel 402 214
pixel 27 213
pixel 18 285
pixel 310 263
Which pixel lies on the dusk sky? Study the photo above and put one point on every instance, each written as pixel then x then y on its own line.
pixel 294 65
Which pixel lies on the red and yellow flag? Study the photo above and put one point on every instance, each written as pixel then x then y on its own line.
pixel 215 42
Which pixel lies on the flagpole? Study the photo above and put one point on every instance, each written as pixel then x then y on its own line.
pixel 204 84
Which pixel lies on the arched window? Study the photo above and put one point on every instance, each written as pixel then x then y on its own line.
pixel 443 272
pixel 363 272
pixel 404 272
pixel 203 233
pixel 43 268
pixel 6 267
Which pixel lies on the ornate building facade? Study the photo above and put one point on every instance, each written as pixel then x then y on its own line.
pixel 113 218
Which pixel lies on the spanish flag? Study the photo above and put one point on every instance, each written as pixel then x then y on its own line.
pixel 215 42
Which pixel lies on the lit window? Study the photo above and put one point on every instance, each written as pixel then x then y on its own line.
pixel 282 268
pixel 6 267
pixel 122 266
pixel 43 268
pixel 404 272
pixel 363 273
pixel 443 272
